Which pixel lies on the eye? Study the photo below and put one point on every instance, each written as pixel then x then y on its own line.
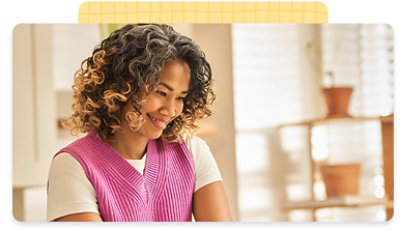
pixel 180 98
pixel 161 93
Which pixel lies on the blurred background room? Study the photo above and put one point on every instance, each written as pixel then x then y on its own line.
pixel 286 149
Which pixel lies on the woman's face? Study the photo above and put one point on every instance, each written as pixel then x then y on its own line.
pixel 166 103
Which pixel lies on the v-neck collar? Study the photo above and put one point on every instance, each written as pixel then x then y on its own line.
pixel 154 165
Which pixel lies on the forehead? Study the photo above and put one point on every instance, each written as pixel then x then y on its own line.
pixel 176 74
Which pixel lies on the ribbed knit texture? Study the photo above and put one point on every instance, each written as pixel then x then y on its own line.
pixel 123 194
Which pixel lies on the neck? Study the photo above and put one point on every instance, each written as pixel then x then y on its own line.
pixel 129 145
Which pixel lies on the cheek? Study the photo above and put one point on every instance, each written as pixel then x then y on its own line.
pixel 179 108
pixel 152 103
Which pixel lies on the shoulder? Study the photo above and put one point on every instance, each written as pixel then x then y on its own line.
pixel 64 162
pixel 69 190
pixel 198 148
pixel 200 151
pixel 85 150
pixel 83 142
pixel 206 169
pixel 196 144
pixel 63 158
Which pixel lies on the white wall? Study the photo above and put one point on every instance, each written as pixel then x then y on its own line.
pixel 215 41
pixel 34 127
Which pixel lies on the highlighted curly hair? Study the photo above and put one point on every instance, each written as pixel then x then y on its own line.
pixel 126 67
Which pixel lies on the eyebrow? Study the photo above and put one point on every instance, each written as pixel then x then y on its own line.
pixel 171 89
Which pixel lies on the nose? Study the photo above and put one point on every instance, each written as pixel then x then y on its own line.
pixel 169 108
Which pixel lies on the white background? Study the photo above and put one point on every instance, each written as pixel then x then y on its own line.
pixel 14 12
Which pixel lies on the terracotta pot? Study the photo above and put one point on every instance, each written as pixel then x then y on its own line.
pixel 342 179
pixel 337 100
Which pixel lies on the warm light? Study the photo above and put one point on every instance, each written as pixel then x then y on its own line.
pixel 252 152
pixel 319 190
pixel 254 198
pixel 320 143
pixel 379 180
pixel 380 192
pixel 381 215
pixel 295 192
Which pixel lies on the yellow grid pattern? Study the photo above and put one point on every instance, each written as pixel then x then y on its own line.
pixel 203 12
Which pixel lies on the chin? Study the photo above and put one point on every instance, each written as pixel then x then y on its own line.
pixel 155 135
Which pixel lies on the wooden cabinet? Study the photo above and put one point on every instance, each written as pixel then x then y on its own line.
pixel 314 203
pixel 34 129
pixel 387 146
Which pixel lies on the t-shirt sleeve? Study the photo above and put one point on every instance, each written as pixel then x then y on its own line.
pixel 206 169
pixel 69 190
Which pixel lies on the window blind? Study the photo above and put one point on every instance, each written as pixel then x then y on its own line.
pixel 270 76
pixel 267 91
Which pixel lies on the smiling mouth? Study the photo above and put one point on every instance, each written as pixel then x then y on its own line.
pixel 157 122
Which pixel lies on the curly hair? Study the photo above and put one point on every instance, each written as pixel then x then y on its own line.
pixel 126 67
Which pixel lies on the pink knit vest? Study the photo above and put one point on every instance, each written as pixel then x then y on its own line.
pixel 164 193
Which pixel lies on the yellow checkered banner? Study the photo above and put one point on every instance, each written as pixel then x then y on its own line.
pixel 203 12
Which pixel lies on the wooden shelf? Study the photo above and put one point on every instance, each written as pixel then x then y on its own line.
pixel 347 201
pixel 318 121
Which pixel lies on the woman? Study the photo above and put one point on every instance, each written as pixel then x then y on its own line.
pixel 137 96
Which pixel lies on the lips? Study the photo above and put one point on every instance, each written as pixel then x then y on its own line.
pixel 159 123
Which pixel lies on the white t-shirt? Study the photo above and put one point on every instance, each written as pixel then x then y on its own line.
pixel 70 191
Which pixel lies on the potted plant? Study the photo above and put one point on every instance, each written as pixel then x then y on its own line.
pixel 337 97
pixel 341 179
